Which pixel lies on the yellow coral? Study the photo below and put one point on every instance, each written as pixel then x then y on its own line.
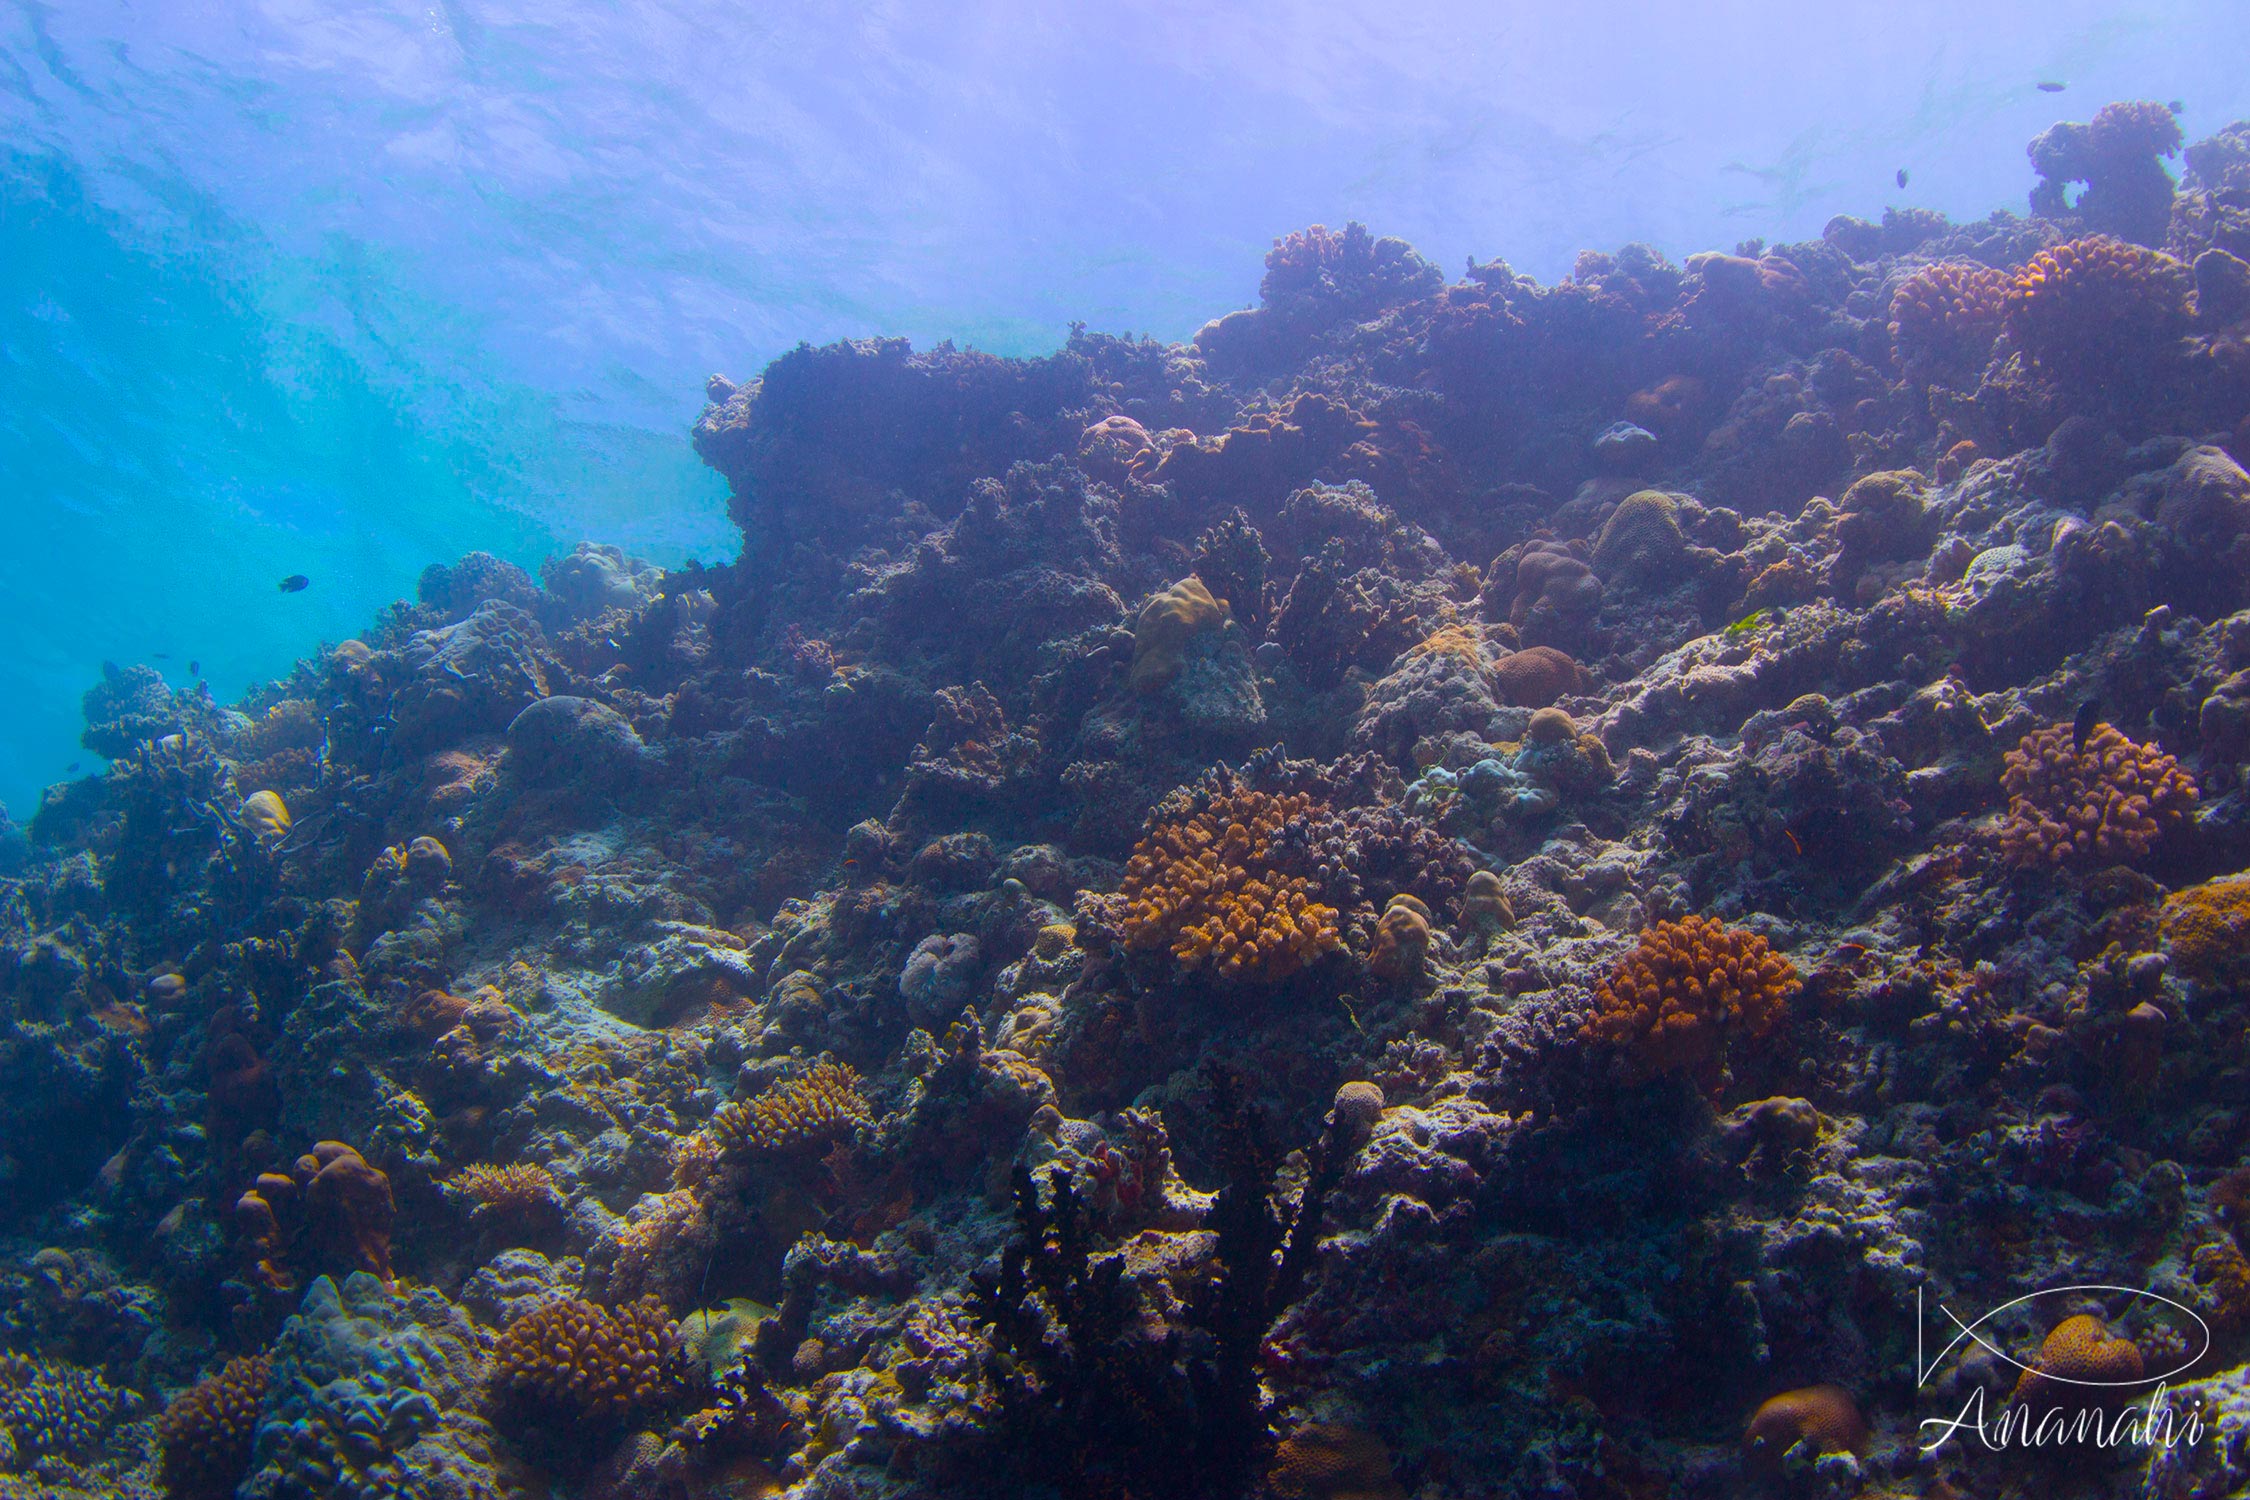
pixel 512 1189
pixel 1165 626
pixel 822 1103
pixel 2080 1353
pixel 205 1434
pixel 2206 928
pixel 2108 799
pixel 1205 887
pixel 1689 990
pixel 574 1360
pixel 1458 644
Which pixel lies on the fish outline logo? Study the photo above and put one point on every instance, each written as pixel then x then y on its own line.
pixel 1923 1368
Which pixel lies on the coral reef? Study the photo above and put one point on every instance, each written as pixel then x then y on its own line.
pixel 1710 799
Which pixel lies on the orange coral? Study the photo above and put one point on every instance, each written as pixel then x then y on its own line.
pixel 1402 940
pixel 575 1360
pixel 2109 799
pixel 1536 677
pixel 1824 1415
pixel 516 1188
pixel 1205 887
pixel 1945 317
pixel 2080 1353
pixel 824 1102
pixel 1319 1462
pixel 2095 308
pixel 206 1433
pixel 2206 929
pixel 1689 990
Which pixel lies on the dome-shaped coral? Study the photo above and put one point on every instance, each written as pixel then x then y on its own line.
pixel 2206 929
pixel 2080 1358
pixel 1944 318
pixel 1206 887
pixel 574 1361
pixel 1641 539
pixel 1824 1415
pixel 2094 311
pixel 1167 623
pixel 1536 677
pixel 1688 991
pixel 2108 800
pixel 205 1434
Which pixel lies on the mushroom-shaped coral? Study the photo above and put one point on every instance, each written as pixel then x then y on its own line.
pixel 2095 311
pixel 1689 991
pixel 574 1361
pixel 1944 318
pixel 2108 800
pixel 206 1433
pixel 820 1104
pixel 1823 1415
pixel 1205 886
pixel 1166 625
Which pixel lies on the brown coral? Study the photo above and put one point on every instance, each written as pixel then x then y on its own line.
pixel 1687 992
pixel 515 1189
pixel 2107 800
pixel 1205 887
pixel 1166 626
pixel 1945 317
pixel 332 1208
pixel 206 1433
pixel 822 1103
pixel 1402 940
pixel 1824 1415
pixel 574 1360
pixel 1536 677
pixel 2094 310
pixel 2080 1352
pixel 1318 1462
pixel 2206 929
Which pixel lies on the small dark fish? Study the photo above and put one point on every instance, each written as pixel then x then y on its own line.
pixel 2089 714
pixel 2177 106
pixel 195 669
pixel 1902 177
pixel 2049 86
pixel 161 655
pixel 71 769
pixel 295 583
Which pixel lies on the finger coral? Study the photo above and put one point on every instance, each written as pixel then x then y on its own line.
pixel 2108 800
pixel 205 1434
pixel 1205 887
pixel 1944 318
pixel 51 1410
pixel 332 1207
pixel 821 1103
pixel 2091 312
pixel 1687 992
pixel 573 1360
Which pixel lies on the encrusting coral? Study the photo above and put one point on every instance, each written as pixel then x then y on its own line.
pixel 2108 799
pixel 1689 991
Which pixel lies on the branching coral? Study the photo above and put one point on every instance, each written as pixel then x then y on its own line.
pixel 2108 800
pixel 1944 318
pixel 1204 885
pixel 2127 191
pixel 205 1434
pixel 1687 993
pixel 515 1189
pixel 822 1103
pixel 574 1361
pixel 51 1410
pixel 2093 311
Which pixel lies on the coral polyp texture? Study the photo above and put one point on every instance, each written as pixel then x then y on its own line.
pixel 1689 991
pixel 206 1433
pixel 1206 887
pixel 1451 888
pixel 2106 799
pixel 818 1105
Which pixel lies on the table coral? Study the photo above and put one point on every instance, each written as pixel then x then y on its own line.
pixel 1688 992
pixel 1204 887
pixel 2108 800
pixel 206 1433
pixel 820 1104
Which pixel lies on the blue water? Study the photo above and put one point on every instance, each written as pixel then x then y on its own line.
pixel 344 288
